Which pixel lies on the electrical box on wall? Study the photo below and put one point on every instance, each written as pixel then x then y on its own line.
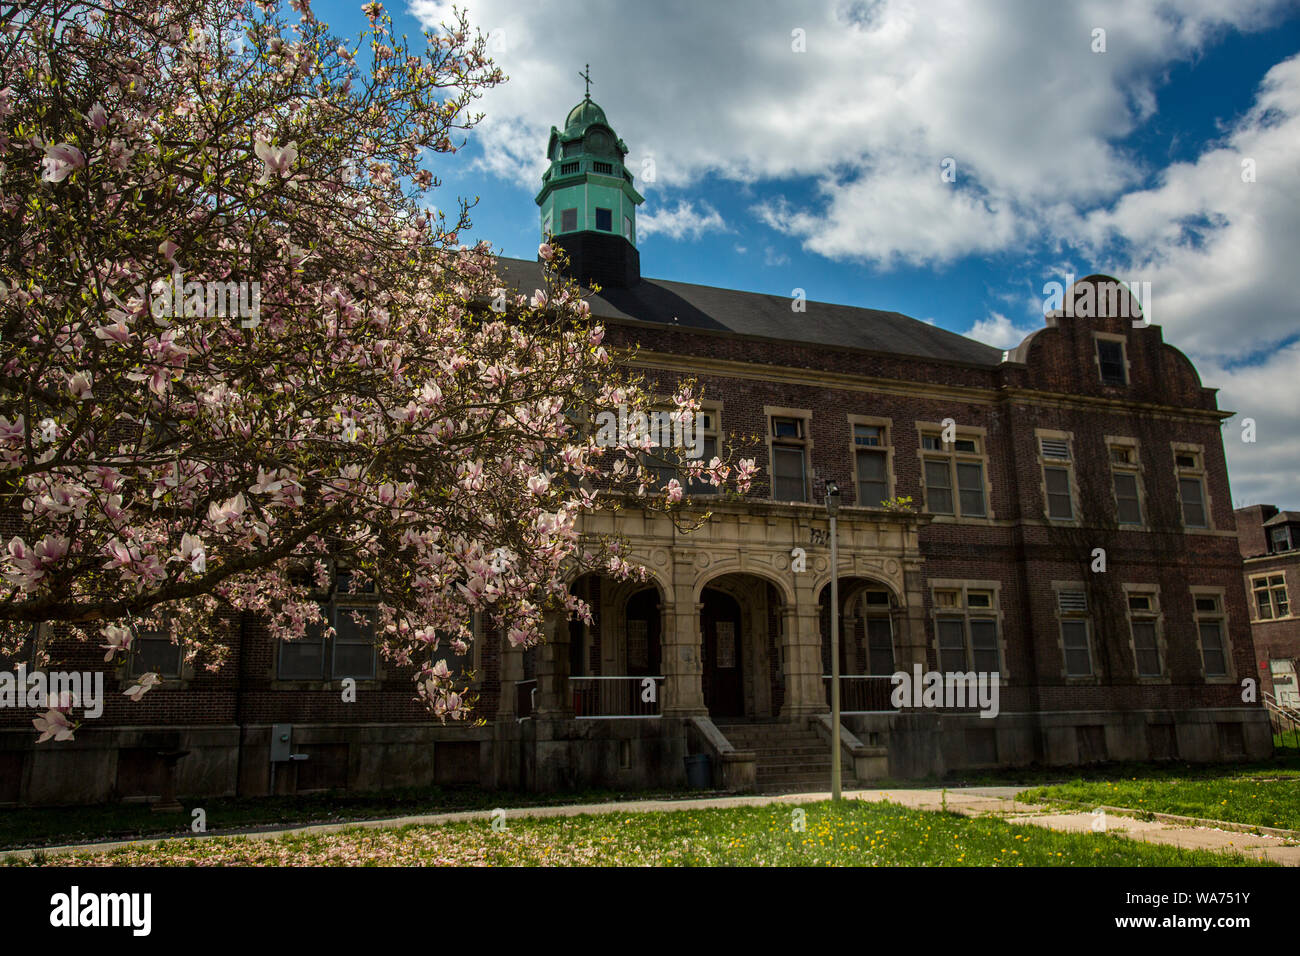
pixel 282 744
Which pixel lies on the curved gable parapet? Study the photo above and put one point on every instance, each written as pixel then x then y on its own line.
pixel 1098 343
pixel 1180 366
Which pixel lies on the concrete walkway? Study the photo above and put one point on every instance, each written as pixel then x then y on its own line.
pixel 1280 846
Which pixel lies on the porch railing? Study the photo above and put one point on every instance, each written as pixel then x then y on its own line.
pixel 615 696
pixel 863 693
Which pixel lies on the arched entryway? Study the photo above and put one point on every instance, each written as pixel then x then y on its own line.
pixel 740 647
pixel 611 658
pixel 869 621
pixel 722 654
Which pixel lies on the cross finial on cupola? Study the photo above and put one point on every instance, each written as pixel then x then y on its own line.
pixel 587 76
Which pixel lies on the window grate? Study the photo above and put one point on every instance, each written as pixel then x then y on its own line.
pixel 605 168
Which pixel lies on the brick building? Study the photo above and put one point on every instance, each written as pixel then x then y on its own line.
pixel 1270 551
pixel 1072 533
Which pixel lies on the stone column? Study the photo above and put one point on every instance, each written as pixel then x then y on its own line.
pixel 554 699
pixel 805 691
pixel 512 671
pixel 912 641
pixel 681 644
pixel 682 659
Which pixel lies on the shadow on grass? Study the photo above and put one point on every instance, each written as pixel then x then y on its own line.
pixel 47 826
pixel 26 827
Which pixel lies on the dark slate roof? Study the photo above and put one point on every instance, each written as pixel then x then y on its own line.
pixel 1283 517
pixel 769 317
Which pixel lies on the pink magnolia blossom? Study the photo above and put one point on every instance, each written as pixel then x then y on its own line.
pixel 142 686
pixel 276 161
pixel 119 640
pixel 53 723
pixel 59 161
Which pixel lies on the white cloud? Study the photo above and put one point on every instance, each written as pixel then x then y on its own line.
pixel 683 221
pixel 1220 255
pixel 774 257
pixel 1012 92
pixel 885 91
pixel 998 331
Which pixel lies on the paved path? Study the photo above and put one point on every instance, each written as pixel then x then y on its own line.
pixel 1279 846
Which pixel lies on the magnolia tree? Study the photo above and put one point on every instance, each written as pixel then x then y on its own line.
pixel 239 350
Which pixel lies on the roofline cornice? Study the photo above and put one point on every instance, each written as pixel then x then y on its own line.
pixel 972 394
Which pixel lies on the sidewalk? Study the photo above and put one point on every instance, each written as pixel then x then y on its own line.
pixel 969 801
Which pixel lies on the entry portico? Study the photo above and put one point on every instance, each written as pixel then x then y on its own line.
pixel 735 627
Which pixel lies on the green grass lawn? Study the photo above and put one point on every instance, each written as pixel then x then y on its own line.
pixel 854 833
pixel 1261 799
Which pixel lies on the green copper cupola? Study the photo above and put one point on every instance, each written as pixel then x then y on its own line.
pixel 588 203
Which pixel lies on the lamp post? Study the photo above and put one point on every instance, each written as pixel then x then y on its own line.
pixel 832 509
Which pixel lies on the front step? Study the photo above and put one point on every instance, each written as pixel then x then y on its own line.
pixel 788 757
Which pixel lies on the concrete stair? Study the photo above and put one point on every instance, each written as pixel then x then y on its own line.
pixel 789 757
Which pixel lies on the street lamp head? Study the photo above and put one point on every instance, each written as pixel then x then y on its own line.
pixel 832 498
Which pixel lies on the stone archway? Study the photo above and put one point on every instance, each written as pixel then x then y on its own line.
pixel 870 620
pixel 740 645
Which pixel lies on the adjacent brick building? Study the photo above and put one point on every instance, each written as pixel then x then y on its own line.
pixel 1270 551
pixel 1072 531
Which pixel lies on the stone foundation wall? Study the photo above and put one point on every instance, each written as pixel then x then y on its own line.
pixel 124 764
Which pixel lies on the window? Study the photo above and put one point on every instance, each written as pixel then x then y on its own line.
pixel 966 624
pixel 787 427
pixel 789 459
pixel 708 422
pixel 872 465
pixel 1058 493
pixel 1110 359
pixel 1280 538
pixel 546 228
pixel 788 474
pixel 960 468
pixel 1072 609
pixel 1212 633
pixel 1144 621
pixel 604 168
pixel 665 462
pixel 154 652
pixel 627 228
pixel 1270 597
pixel 1125 479
pixel 568 220
pixel 938 487
pixel 350 652
pixel 604 220
pixel 1055 457
pixel 1191 488
pixel 354 642
pixel 568 169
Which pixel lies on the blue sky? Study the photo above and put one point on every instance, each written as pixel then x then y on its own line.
pixel 819 168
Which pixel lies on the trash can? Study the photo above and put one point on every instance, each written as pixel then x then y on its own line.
pixel 699 775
